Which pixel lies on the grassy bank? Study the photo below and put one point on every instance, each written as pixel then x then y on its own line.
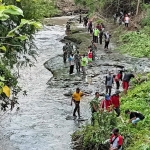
pixel 137 100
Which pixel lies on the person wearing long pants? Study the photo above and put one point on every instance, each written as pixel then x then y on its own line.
pixel 107 39
pixel 77 108
pixel 108 83
pixel 71 69
pixel 106 44
pixel 76 99
pixel 108 89
pixel 100 37
pixel 71 62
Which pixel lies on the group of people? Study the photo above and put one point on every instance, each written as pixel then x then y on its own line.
pixel 76 59
pixel 122 18
pixel 97 32
pixel 110 102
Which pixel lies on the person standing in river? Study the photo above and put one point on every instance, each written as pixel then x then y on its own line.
pixel 107 40
pixel 108 83
pixel 68 28
pixel 65 48
pixel 69 49
pixel 90 27
pixel 90 55
pixel 93 48
pixel 71 63
pixel 77 59
pixel 85 19
pixel 101 36
pixel 95 35
pixel 83 64
pixel 76 99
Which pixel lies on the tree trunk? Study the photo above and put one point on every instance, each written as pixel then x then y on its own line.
pixel 137 8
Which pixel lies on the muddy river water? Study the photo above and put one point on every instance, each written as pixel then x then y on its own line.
pixel 40 123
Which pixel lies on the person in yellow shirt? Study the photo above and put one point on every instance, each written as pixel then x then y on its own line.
pixel 76 99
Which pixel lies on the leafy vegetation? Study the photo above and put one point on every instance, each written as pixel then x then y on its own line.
pixel 16 49
pixel 35 9
pixel 136 43
pixel 135 137
pixel 104 6
pixel 138 100
pixel 94 137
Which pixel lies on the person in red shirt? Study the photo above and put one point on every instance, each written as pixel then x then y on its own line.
pixel 118 78
pixel 115 100
pixel 116 140
pixel 98 26
pixel 106 103
pixel 90 55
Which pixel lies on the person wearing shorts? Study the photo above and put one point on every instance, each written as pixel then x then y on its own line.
pixel 126 80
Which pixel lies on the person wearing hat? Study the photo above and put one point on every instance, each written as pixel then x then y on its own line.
pixel 106 104
pixel 135 117
pixel 115 100
pixel 116 140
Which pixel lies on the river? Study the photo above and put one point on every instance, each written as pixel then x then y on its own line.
pixel 40 123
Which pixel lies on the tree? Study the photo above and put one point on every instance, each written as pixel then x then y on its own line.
pixel 16 49
pixel 137 8
pixel 35 9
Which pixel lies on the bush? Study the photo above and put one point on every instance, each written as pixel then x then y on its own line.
pixel 136 43
pixel 94 137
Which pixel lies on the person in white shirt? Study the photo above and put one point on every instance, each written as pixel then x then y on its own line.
pixel 126 20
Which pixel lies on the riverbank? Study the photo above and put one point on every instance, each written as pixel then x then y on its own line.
pixel 98 69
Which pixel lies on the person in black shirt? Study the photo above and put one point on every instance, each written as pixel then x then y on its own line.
pixel 126 80
pixel 134 116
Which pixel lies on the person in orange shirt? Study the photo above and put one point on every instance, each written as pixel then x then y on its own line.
pixel 76 99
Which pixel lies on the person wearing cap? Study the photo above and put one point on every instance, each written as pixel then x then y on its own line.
pixel 109 82
pixel 116 140
pixel 115 100
pixel 94 104
pixel 126 79
pixel 106 104
pixel 76 99
pixel 135 117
